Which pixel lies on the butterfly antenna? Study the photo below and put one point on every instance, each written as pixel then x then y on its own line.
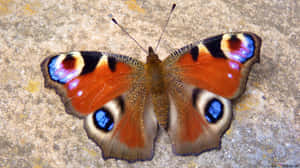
pixel 124 30
pixel 173 7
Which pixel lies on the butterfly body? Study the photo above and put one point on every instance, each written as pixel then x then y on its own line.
pixel 124 100
pixel 157 87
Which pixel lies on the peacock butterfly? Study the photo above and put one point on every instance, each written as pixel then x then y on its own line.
pixel 124 101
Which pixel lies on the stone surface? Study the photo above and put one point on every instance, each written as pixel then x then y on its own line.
pixel 36 132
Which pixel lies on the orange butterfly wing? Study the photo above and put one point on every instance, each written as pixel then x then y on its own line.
pixel 107 90
pixel 219 64
pixel 202 77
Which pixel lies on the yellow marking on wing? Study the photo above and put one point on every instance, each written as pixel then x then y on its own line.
pixel 79 60
pixel 134 6
pixel 225 46
pixel 202 49
pixel 103 61
pixel 33 86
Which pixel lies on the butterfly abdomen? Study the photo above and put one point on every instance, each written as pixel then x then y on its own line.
pixel 161 108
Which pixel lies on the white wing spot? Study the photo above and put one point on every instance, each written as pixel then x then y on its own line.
pixel 79 93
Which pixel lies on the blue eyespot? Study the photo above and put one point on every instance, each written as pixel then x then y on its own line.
pixel 103 120
pixel 213 111
pixel 59 73
pixel 244 51
pixel 249 49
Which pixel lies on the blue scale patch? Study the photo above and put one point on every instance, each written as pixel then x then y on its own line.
pixel 103 120
pixel 58 73
pixel 245 52
pixel 213 111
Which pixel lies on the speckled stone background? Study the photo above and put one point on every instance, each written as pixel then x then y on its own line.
pixel 36 132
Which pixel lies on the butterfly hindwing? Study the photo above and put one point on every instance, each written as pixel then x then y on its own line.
pixel 124 128
pixel 108 90
pixel 202 78
pixel 197 119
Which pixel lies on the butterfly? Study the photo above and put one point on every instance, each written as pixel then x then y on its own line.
pixel 124 101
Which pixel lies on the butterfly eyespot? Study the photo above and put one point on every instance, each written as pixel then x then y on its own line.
pixel 63 70
pixel 103 120
pixel 214 110
pixel 238 47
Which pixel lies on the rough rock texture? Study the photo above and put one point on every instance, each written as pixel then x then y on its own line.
pixel 36 132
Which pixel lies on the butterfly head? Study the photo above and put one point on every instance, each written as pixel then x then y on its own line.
pixel 152 57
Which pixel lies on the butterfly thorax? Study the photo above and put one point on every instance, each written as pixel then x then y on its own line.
pixel 154 73
pixel 157 87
